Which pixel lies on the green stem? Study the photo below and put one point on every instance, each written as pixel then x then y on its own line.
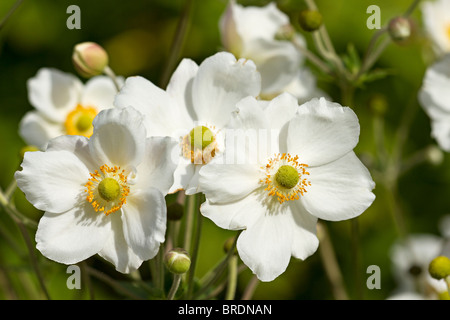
pixel 195 250
pixel 178 42
pixel 251 288
pixel 356 258
pixel 10 12
pixel 190 215
pixel 110 73
pixel 312 57
pixel 232 278
pixel 175 286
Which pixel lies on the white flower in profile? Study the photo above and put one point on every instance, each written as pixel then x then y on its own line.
pixel 254 33
pixel 64 105
pixel 410 260
pixel 290 165
pixel 194 110
pixel 103 195
pixel 434 97
pixel 436 20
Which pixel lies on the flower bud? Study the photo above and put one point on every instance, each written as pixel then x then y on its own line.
pixel 177 261
pixel 229 244
pixel 310 20
pixel 434 155
pixel 89 59
pixel 175 211
pixel 286 32
pixel 378 104
pixel 399 29
pixel 439 268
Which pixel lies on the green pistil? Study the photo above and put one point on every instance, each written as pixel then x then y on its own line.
pixel 201 137
pixel 109 189
pixel 287 177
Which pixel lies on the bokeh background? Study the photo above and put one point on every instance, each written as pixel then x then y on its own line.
pixel 138 36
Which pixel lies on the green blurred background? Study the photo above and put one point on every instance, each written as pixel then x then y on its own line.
pixel 138 37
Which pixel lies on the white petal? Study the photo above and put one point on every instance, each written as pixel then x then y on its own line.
pixel 36 130
pixel 258 22
pixel 305 241
pixel 144 219
pixel 277 61
pixel 159 164
pixel 72 236
pixel 183 174
pixel 322 131
pixel 99 92
pixel 265 246
pixel 116 249
pixel 435 84
pixel 180 88
pixel 54 93
pixel 118 138
pixel 52 181
pixel 339 190
pixel 193 183
pixel 220 83
pixel 222 183
pixel 163 115
pixel 78 145
pixel 235 215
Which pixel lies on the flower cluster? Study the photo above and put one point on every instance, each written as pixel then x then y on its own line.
pixel 265 151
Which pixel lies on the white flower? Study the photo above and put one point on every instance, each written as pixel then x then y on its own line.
pixel 294 165
pixel 252 33
pixel 63 105
pixel 200 97
pixel 410 260
pixel 434 97
pixel 103 195
pixel 436 20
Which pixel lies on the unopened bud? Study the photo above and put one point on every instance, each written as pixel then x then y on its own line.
pixel 175 211
pixel 399 29
pixel 310 20
pixel 177 261
pixel 89 59
pixel 439 268
pixel 434 155
pixel 228 245
pixel 378 104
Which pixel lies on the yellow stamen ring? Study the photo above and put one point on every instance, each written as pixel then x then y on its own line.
pixel 79 121
pixel 285 177
pixel 107 189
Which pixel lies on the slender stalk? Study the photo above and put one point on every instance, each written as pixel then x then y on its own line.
pixel 232 278
pixel 87 280
pixel 251 288
pixel 175 285
pixel 195 250
pixel 330 263
pixel 312 57
pixel 110 73
pixel 356 254
pixel 178 42
pixel 10 12
pixel 190 215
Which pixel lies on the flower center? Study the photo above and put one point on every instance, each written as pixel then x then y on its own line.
pixel 107 189
pixel 79 121
pixel 199 145
pixel 285 177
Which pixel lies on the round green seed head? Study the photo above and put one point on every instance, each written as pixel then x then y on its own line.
pixel 287 177
pixel 201 137
pixel 177 261
pixel 109 189
pixel 310 20
pixel 439 268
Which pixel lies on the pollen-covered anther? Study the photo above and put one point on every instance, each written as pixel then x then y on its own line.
pixel 285 177
pixel 199 145
pixel 107 189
